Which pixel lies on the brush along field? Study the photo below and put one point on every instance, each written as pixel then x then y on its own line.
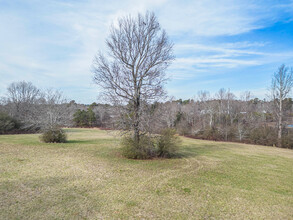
pixel 87 178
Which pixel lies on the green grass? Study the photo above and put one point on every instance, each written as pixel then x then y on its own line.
pixel 87 178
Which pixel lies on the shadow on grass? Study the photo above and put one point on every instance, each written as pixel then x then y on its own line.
pixel 79 141
pixel 185 151
pixel 92 141
pixel 193 151
pixel 76 130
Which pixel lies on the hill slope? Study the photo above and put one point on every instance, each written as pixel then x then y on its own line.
pixel 87 178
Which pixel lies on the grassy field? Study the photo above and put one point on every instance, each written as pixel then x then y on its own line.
pixel 87 178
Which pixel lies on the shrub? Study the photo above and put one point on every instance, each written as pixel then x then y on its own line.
pixel 131 150
pixel 7 123
pixel 84 118
pixel 263 135
pixel 164 145
pixel 183 128
pixel 53 135
pixel 167 143
pixel 210 134
pixel 287 139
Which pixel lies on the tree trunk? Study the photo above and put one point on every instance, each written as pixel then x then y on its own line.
pixel 280 124
pixel 226 128
pixel 211 121
pixel 136 122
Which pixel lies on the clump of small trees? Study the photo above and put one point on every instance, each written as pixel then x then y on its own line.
pixel 28 109
pixel 33 108
pixel 163 145
pixel 84 118
pixel 8 123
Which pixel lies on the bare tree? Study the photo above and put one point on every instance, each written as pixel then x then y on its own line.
pixel 245 115
pixel 169 111
pixel 21 95
pixel 34 108
pixel 282 83
pixel 54 109
pixel 133 74
pixel 221 95
pixel 204 98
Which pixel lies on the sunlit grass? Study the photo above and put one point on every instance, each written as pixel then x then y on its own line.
pixel 87 178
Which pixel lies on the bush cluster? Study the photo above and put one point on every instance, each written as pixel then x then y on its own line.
pixel 164 145
pixel 54 135
pixel 7 123
pixel 209 134
pixel 263 135
pixel 216 135
pixel 167 143
pixel 287 140
pixel 132 150
pixel 84 118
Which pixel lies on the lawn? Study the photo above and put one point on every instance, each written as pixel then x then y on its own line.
pixel 87 178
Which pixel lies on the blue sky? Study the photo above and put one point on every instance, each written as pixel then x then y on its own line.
pixel 218 44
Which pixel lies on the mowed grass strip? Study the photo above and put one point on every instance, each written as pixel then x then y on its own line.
pixel 87 178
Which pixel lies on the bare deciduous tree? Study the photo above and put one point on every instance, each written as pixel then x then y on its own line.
pixel 21 95
pixel 35 108
pixel 54 109
pixel 282 83
pixel 139 52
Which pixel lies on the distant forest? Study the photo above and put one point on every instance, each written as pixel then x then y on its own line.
pixel 221 117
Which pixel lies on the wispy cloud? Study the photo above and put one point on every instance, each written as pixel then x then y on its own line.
pixel 52 43
pixel 198 58
pixel 216 18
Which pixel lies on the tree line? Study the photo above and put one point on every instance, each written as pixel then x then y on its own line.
pixel 221 116
pixel 28 109
pixel 224 117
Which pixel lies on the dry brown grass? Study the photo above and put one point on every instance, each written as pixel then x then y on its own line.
pixel 87 179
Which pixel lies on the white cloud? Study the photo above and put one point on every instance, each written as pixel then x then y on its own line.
pixel 214 18
pixel 52 43
pixel 195 59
